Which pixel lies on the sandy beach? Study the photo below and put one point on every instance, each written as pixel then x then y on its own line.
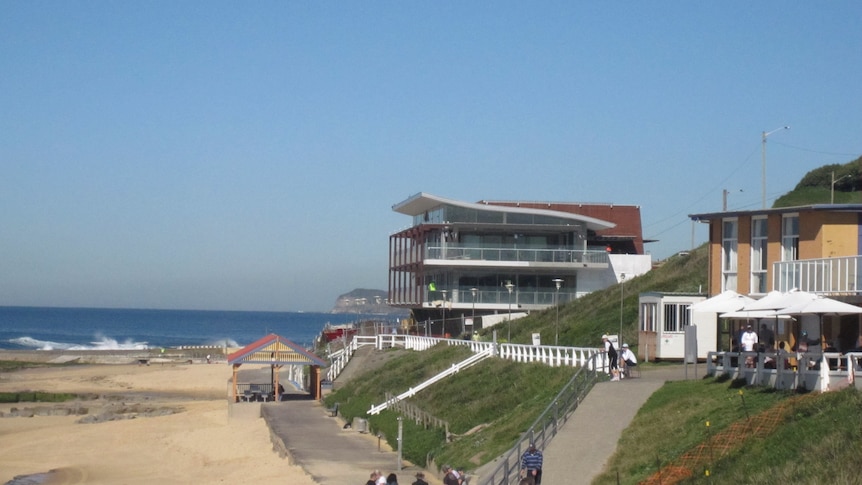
pixel 180 432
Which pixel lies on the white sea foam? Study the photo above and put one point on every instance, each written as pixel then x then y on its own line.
pixel 225 342
pixel 103 343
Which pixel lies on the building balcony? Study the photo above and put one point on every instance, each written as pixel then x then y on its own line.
pixel 467 255
pixel 497 299
pixel 826 276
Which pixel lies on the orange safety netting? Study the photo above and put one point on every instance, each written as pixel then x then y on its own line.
pixel 698 459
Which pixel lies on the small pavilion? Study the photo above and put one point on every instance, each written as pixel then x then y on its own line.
pixel 277 351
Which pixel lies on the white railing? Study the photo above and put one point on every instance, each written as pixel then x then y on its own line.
pixel 789 370
pixel 825 276
pixel 454 369
pixel 555 356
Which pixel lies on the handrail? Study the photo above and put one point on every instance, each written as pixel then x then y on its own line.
pixel 547 425
pixel 454 369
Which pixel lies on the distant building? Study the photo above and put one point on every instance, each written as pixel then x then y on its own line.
pixel 460 259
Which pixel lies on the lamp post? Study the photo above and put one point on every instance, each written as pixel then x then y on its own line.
pixel 763 160
pixel 558 282
pixel 622 292
pixel 474 291
pixel 832 196
pixel 510 287
pixel 443 330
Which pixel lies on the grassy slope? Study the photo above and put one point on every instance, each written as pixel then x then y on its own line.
pixel 491 395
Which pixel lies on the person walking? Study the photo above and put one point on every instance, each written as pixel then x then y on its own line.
pixel 531 463
pixel 449 477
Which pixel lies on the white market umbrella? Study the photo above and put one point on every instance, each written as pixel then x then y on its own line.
pixel 821 306
pixel 753 314
pixel 775 300
pixel 727 301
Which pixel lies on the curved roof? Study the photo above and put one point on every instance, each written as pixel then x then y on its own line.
pixel 422 202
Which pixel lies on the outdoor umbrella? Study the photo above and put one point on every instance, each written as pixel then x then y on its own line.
pixel 726 301
pixel 775 300
pixel 821 306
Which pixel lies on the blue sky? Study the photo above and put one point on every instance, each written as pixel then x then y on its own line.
pixel 224 155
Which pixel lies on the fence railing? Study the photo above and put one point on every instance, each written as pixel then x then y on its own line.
pixel 453 369
pixel 825 276
pixel 547 425
pixel 789 370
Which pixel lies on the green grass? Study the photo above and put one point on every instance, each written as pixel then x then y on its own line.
pixel 35 396
pixel 14 365
pixel 818 441
pixel 499 397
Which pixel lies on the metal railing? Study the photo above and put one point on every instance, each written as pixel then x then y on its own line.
pixel 825 276
pixel 478 252
pixel 546 426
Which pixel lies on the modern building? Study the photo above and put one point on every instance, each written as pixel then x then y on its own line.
pixel 813 248
pixel 460 260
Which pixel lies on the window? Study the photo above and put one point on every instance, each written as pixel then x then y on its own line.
pixel 790 237
pixel 729 257
pixel 676 317
pixel 758 255
pixel 648 317
pixel 790 250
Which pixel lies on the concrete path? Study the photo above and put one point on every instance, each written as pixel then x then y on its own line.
pixel 581 450
pixel 329 453
pixel 332 455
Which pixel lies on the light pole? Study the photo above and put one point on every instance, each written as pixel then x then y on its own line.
pixel 474 291
pixel 832 197
pixel 558 282
pixel 510 287
pixel 443 329
pixel 763 160
pixel 622 292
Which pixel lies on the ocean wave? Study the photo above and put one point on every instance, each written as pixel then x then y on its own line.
pixel 103 343
pixel 225 342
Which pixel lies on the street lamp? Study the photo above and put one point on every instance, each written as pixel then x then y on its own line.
pixel 558 282
pixel 443 330
pixel 832 197
pixel 510 287
pixel 622 292
pixel 474 291
pixel 763 160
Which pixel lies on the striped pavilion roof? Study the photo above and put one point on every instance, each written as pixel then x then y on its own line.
pixel 274 349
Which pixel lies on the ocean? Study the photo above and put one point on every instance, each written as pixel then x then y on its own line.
pixel 48 328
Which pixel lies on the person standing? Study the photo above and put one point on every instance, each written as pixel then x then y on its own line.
pixel 531 463
pixel 420 479
pixel 612 354
pixel 749 344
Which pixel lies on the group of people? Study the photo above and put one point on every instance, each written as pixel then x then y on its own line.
pixel 452 476
pixel 626 358
pixel 379 478
pixel 531 472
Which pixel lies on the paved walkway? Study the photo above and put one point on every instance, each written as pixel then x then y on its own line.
pixel 582 448
pixel 333 455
